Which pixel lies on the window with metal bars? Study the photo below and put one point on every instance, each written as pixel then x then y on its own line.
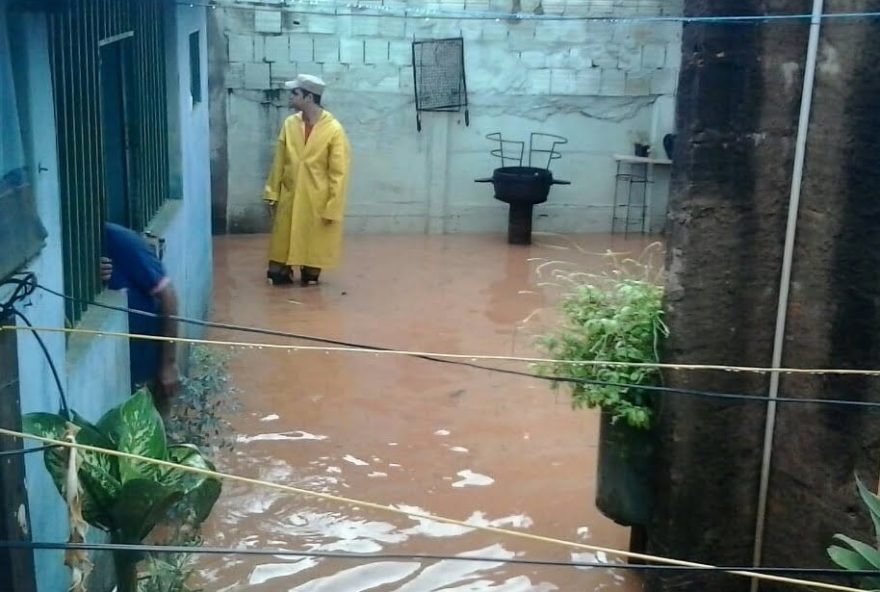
pixel 108 69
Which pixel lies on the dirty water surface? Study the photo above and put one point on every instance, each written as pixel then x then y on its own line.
pixel 480 447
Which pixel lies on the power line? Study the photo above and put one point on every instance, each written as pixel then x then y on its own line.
pixel 395 510
pixel 365 557
pixel 453 359
pixel 313 7
pixel 22 291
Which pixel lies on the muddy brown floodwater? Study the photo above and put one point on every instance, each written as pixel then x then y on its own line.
pixel 463 443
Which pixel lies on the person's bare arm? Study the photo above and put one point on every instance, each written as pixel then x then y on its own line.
pixel 169 374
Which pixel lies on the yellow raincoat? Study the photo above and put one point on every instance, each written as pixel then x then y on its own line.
pixel 308 183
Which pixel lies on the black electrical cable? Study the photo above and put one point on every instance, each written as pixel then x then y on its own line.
pixel 24 288
pixel 24 451
pixel 428 357
pixel 198 550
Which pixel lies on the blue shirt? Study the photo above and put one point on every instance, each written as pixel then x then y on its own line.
pixel 138 271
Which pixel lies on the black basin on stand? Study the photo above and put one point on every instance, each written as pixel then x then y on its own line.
pixel 522 188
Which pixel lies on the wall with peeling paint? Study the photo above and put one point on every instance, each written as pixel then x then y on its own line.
pixel 596 83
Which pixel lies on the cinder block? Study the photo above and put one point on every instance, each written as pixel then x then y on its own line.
pixel 537 82
pixel 326 48
pixel 533 59
pixel 310 68
pixel 322 24
pixel 276 49
pixel 416 28
pixel 257 76
pixel 367 26
pixel 281 72
pixel 630 60
pixel 638 84
pixel 606 57
pixel 493 31
pixel 574 31
pixel 579 58
pixel 471 30
pixel 559 59
pixel 375 51
pixel 351 51
pixel 241 48
pixel 522 37
pixel 562 81
pixel 407 83
pixel 653 56
pixel 400 53
pixel 476 5
pixel 613 83
pixel 267 21
pixel 664 82
pixel 588 82
pixel 302 48
pixel 234 76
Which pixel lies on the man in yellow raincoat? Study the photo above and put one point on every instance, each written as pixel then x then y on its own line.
pixel 307 187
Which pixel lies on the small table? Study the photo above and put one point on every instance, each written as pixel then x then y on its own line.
pixel 635 175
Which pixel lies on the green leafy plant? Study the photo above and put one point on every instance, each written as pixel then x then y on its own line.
pixel 125 497
pixel 207 398
pixel 169 573
pixel 613 317
pixel 856 555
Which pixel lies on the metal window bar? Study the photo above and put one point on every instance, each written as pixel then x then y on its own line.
pixel 76 31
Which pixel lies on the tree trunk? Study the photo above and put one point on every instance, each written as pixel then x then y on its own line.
pixel 738 102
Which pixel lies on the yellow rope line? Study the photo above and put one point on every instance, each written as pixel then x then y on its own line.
pixel 450 356
pixel 392 509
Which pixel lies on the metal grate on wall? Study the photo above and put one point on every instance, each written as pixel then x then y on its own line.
pixel 109 154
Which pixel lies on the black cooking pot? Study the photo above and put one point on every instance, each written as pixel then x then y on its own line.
pixel 522 185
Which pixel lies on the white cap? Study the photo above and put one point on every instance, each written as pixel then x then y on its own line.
pixel 308 83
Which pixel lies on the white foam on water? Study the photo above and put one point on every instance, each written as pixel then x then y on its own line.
pixel 583 532
pixel 392 443
pixel 393 465
pixel 442 433
pixel 362 577
pixel 514 521
pixel 471 479
pixel 294 435
pixel 431 528
pixel 585 557
pixel 459 449
pixel 441 574
pixel 355 461
pixel 270 571
pixel 334 470
pixel 271 417
pixel 377 474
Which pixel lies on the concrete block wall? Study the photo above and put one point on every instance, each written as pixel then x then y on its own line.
pixel 598 83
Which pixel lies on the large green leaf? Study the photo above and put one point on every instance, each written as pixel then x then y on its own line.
pixel 200 492
pixel 141 432
pixel 849 560
pixel 142 504
pixel 868 553
pixel 49 425
pixel 98 473
pixel 873 504
pixel 99 477
pixel 110 424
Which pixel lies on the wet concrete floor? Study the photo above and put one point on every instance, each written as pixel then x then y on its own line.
pixel 463 443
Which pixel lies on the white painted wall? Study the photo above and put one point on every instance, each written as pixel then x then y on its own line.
pixel 594 82
pixel 94 371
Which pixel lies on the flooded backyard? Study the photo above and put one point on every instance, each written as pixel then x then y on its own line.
pixel 476 446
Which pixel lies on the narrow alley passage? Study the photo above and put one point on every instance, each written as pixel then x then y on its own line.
pixel 447 440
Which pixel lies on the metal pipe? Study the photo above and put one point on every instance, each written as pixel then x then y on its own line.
pixel 785 278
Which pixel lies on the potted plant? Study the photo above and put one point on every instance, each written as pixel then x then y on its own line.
pixel 124 497
pixel 614 318
pixel 641 144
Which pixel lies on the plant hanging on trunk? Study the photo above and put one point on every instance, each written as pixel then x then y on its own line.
pixel 615 317
pixel 124 497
